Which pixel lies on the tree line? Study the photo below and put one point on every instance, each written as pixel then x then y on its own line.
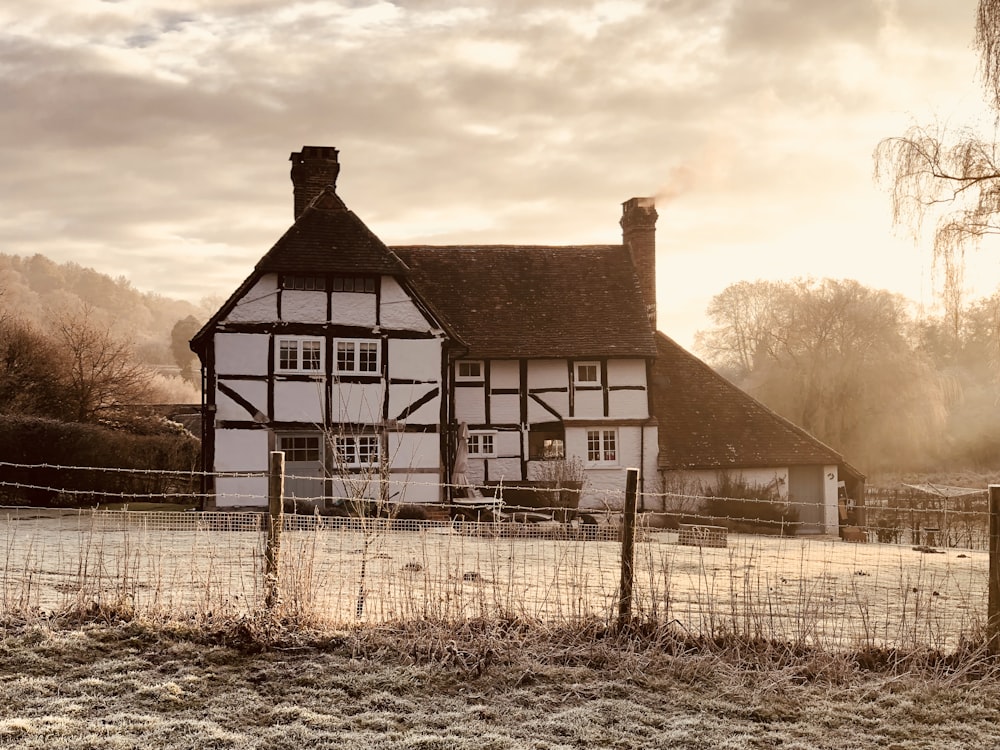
pixel 854 366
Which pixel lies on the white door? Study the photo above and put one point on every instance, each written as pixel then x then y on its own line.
pixel 304 466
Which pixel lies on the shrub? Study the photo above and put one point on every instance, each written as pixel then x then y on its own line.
pixel 44 445
pixel 751 508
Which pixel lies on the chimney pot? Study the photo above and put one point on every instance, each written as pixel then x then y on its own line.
pixel 313 169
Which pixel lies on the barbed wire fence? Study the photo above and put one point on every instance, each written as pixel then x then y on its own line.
pixel 690 568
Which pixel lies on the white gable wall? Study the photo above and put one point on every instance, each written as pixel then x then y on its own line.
pixel 259 304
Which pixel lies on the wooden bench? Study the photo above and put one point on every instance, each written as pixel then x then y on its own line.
pixel 702 535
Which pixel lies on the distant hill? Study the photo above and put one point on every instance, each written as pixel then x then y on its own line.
pixel 34 288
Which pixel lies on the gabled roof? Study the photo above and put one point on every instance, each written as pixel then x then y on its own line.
pixel 706 422
pixel 329 238
pixel 535 301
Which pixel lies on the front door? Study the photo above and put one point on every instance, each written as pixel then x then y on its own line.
pixel 304 466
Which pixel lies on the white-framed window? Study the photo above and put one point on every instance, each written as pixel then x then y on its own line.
pixel 482 444
pixel 586 374
pixel 298 354
pixel 357 451
pixel 304 283
pixel 354 283
pixel 357 356
pixel 469 370
pixel 300 448
pixel 602 446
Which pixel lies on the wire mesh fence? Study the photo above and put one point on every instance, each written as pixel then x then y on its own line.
pixel 917 578
pixel 341 571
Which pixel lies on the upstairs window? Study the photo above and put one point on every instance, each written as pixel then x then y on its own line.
pixel 358 356
pixel 299 355
pixel 587 374
pixel 482 444
pixel 602 446
pixel 362 284
pixel 469 370
pixel 360 451
pixel 304 283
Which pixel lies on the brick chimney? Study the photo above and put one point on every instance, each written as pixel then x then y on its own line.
pixel 639 237
pixel 313 168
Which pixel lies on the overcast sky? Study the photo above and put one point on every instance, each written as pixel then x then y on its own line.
pixel 151 138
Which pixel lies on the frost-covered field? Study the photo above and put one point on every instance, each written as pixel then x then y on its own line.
pixel 807 591
pixel 423 688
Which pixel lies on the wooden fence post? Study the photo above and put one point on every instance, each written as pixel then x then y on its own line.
pixel 993 609
pixel 628 549
pixel 275 510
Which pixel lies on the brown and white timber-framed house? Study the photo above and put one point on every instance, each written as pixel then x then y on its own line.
pixel 354 357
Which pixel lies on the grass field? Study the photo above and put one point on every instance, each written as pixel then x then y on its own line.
pixel 493 686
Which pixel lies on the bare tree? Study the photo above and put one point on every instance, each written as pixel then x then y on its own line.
pixel 952 178
pixel 835 358
pixel 101 369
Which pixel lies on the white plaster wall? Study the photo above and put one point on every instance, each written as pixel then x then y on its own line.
pixel 470 404
pixel 626 372
pixel 508 444
pixel 558 402
pixel 301 306
pixel 628 404
pixel 253 391
pixel 398 311
pixel 505 373
pixel 402 396
pixel 504 409
pixel 298 402
pixel 606 484
pixel 241 450
pixel 589 405
pixel 259 304
pixel 357 402
pixel 505 469
pixel 241 353
pixel 415 359
pixel 414 488
pixel 234 492
pixel 353 309
pixel 415 450
pixel 548 373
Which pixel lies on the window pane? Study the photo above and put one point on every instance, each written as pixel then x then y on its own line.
pixel 586 373
pixel 488 444
pixel 288 355
pixel 554 450
pixel 370 286
pixel 368 450
pixel 593 445
pixel 345 356
pixel 338 283
pixel 610 449
pixel 367 357
pixel 345 451
pixel 310 355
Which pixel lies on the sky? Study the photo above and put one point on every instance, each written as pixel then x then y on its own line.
pixel 150 139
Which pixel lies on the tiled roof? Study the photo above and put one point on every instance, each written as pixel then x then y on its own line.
pixel 535 301
pixel 329 238
pixel 706 422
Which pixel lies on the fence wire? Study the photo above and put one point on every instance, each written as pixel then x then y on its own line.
pixel 338 571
